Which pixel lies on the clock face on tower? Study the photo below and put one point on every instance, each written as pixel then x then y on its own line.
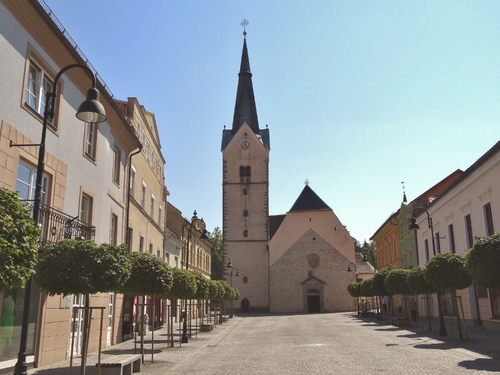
pixel 245 144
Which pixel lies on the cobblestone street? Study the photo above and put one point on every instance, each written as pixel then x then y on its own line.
pixel 338 343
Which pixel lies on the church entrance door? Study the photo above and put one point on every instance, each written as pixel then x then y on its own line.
pixel 313 304
pixel 245 305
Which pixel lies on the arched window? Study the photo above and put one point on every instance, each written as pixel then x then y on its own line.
pixel 242 171
pixel 247 171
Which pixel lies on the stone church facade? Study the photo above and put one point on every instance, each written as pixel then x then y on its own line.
pixel 291 263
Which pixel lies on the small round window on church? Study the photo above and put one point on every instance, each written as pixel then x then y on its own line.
pixel 313 259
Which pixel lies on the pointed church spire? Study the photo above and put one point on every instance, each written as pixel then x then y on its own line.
pixel 404 193
pixel 244 108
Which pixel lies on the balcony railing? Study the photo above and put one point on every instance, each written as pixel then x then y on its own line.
pixel 57 226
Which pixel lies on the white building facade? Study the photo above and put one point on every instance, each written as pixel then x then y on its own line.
pixel 470 207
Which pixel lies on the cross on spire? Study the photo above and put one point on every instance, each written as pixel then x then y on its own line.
pixel 244 23
pixel 306 181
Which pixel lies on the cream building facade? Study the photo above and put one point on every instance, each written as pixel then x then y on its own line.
pixel 84 185
pixel 147 197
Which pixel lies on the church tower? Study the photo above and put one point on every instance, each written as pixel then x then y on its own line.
pixel 245 193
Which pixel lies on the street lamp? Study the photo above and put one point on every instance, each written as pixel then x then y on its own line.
pixel 231 284
pixel 91 110
pixel 414 226
pixel 349 267
pixel 203 236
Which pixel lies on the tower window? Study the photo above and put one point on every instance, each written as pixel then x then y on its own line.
pixel 245 191
pixel 245 171
pixel 245 213
pixel 245 233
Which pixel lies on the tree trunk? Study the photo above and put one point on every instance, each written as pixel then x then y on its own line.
pixel 455 308
pixel 86 334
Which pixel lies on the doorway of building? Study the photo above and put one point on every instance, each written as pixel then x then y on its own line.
pixel 245 306
pixel 313 301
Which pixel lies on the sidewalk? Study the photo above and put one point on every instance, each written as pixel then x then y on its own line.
pixel 156 361
pixel 476 339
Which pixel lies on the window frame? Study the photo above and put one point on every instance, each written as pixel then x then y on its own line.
pixel 451 241
pixel 113 229
pixel 117 162
pixel 86 208
pixel 488 219
pixel 469 237
pixel 33 59
pixel 131 187
pixel 90 141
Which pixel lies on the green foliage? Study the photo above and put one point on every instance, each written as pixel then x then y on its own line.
pixel 18 238
pixel 184 284
pixel 367 288
pixel 217 254
pixel 221 290
pixel 447 272
pixel 483 260
pixel 395 282
pixel 378 281
pixel 82 267
pixel 213 290
pixel 236 294
pixel 416 281
pixel 150 276
pixel 354 289
pixel 202 285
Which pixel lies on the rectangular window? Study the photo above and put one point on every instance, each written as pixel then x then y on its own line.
pixel 132 181
pixel 451 236
pixel 488 219
pixel 426 248
pixel 117 165
pixel 176 262
pixel 38 85
pixel 468 231
pixel 141 243
pixel 130 239
pixel 150 248
pixel 113 230
pixel 438 243
pixel 90 140
pixel 152 207
pixel 26 183
pixel 160 212
pixel 167 258
pixel 143 195
pixel 86 209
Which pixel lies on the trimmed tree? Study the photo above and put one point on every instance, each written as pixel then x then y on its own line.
pixel 18 239
pixel 418 285
pixel 416 281
pixel 482 261
pixel 149 276
pixel 82 267
pixel 378 282
pixel 395 283
pixel 447 272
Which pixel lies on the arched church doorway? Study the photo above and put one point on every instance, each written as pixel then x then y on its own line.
pixel 313 301
pixel 245 305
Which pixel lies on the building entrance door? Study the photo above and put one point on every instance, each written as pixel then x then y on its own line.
pixel 77 324
pixel 313 301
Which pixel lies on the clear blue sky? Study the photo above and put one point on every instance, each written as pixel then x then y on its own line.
pixel 358 95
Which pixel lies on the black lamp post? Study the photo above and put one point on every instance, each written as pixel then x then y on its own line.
pixel 231 284
pixel 91 110
pixel 203 236
pixel 414 226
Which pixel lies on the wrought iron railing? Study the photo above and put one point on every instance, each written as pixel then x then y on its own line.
pixel 57 226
